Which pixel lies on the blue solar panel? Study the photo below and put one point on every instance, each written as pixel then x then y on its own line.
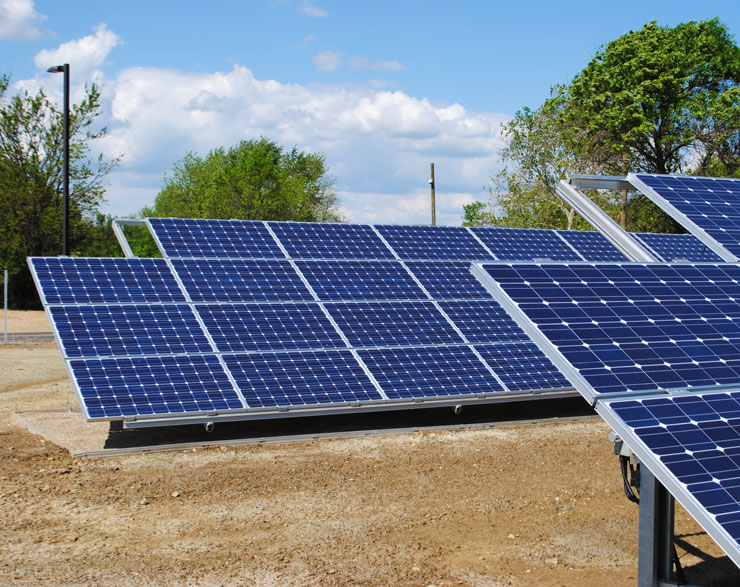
pixel 187 237
pixel 526 244
pixel 634 327
pixel 393 324
pixel 592 245
pixel 711 204
pixel 692 445
pixel 235 280
pixel 447 279
pixel 121 387
pixel 74 280
pixel 522 366
pixel 672 247
pixel 268 327
pixel 103 331
pixel 309 240
pixel 360 280
pixel 309 378
pixel 482 321
pixel 408 373
pixel 433 242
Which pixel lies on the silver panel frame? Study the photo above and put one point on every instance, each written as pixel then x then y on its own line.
pixel 117 225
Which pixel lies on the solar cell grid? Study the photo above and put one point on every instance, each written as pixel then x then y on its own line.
pixel 522 366
pixel 634 327
pixel 526 244
pixel 268 327
pixel 237 280
pixel 447 279
pixel 360 280
pixel 187 237
pixel 368 324
pixel 592 245
pixel 308 378
pixel 482 321
pixel 433 242
pixel 307 240
pixel 672 247
pixel 101 331
pixel 75 280
pixel 136 386
pixel 406 373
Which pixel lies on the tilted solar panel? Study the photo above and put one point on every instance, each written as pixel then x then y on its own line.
pixel 433 242
pixel 522 366
pixel 707 207
pixel 447 279
pixel 312 240
pixel 526 244
pixel 592 245
pixel 678 247
pixel 188 237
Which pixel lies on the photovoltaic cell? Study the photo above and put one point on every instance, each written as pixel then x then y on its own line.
pixel 268 327
pixel 592 245
pixel 313 240
pixel 712 204
pixel 672 247
pixel 134 386
pixel 102 331
pixel 447 279
pixel 360 280
pixel 308 378
pixel 187 237
pixel 483 321
pixel 75 280
pixel 406 373
pixel 522 366
pixel 634 327
pixel 526 244
pixel 236 280
pixel 393 324
pixel 433 242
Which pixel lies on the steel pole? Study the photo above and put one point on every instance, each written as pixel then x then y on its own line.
pixel 65 229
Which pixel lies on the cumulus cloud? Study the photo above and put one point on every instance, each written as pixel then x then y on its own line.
pixel 86 56
pixel 307 8
pixel 328 60
pixel 365 63
pixel 19 21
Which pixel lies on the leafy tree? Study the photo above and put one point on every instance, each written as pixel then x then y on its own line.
pixel 254 180
pixel 31 181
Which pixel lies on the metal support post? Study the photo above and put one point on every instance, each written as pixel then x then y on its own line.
pixel 655 563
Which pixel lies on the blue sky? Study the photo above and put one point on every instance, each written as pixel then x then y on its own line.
pixel 381 88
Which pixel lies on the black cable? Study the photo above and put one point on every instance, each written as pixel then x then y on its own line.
pixel 623 463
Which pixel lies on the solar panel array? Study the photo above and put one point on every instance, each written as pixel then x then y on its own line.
pixel 656 347
pixel 707 207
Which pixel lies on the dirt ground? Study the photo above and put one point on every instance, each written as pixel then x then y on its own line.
pixel 515 504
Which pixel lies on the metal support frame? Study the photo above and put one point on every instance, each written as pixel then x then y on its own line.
pixel 117 226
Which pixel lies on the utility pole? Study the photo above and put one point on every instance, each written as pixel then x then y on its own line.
pixel 434 208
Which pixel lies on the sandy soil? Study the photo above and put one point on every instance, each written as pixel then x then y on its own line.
pixel 522 504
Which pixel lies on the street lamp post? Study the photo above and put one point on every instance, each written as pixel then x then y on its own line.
pixel 65 223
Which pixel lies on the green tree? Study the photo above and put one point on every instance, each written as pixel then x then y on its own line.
pixel 255 180
pixel 31 181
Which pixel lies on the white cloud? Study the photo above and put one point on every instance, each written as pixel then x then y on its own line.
pixel 365 63
pixel 328 60
pixel 86 56
pixel 19 21
pixel 307 8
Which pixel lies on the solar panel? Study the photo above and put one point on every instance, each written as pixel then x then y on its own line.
pixel 677 247
pixel 409 373
pixel 447 279
pixel 187 237
pixel 268 327
pixel 691 443
pixel 433 242
pixel 310 378
pixel 592 245
pixel 135 386
pixel 708 207
pixel 369 324
pixel 103 331
pixel 626 328
pixel 360 280
pixel 482 321
pixel 526 244
pixel 236 280
pixel 310 240
pixel 75 280
pixel 522 366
